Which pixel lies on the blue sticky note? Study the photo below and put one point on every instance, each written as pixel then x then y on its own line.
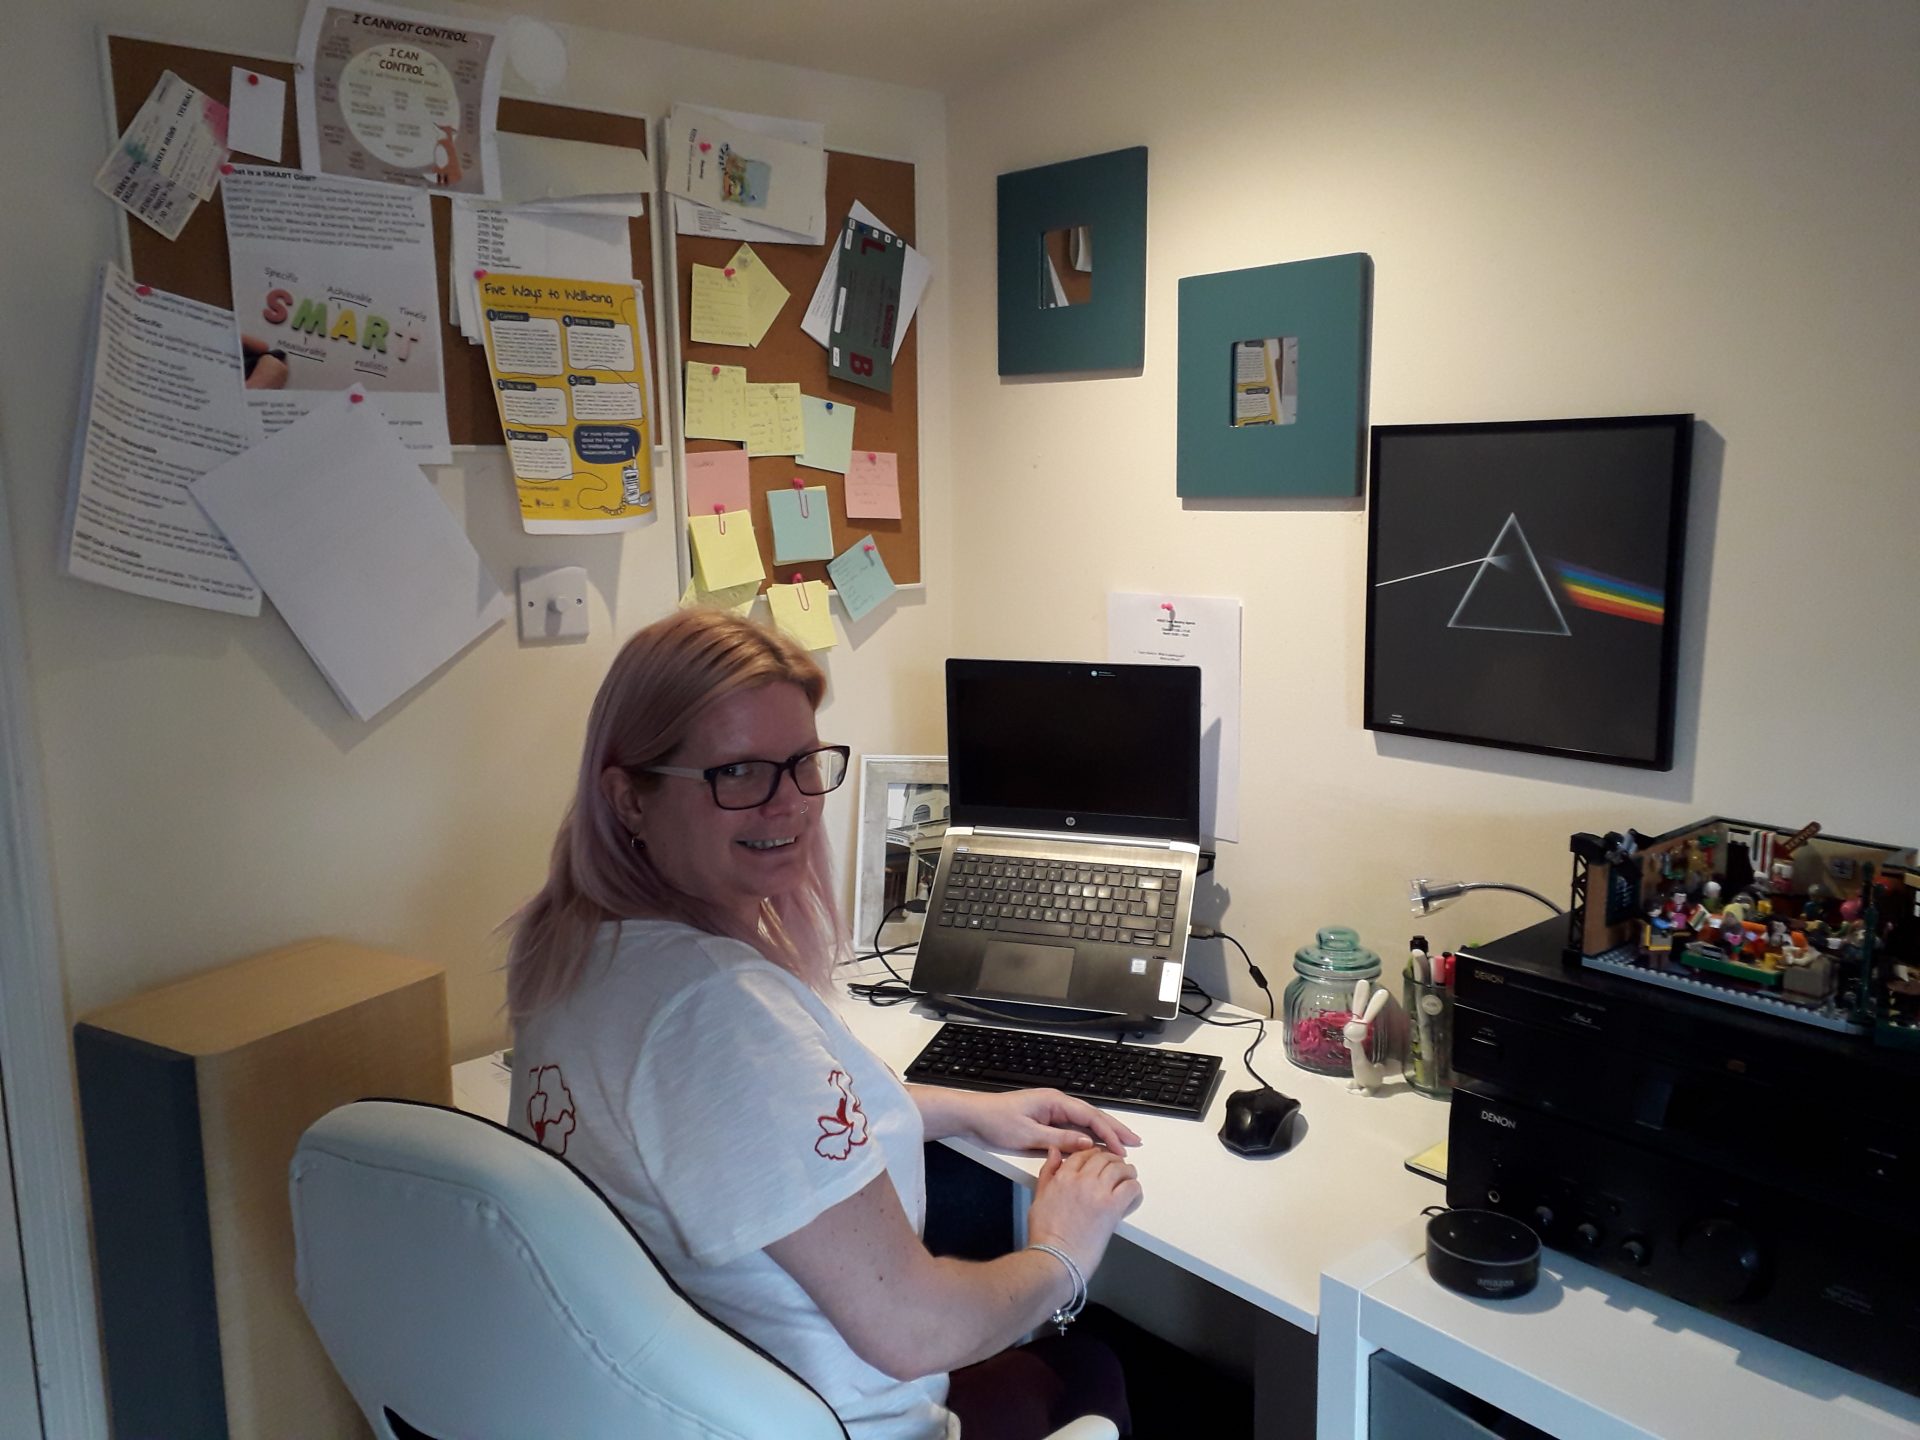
pixel 829 437
pixel 861 577
pixel 802 528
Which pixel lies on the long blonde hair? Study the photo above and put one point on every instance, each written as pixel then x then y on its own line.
pixel 659 685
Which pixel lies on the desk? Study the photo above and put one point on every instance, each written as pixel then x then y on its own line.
pixel 1259 1229
pixel 1328 1238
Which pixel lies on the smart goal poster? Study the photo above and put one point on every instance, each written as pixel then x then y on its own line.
pixel 334 286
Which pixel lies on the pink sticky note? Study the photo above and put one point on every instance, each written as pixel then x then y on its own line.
pixel 873 485
pixel 717 477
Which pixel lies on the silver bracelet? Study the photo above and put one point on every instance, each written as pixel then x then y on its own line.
pixel 1069 1312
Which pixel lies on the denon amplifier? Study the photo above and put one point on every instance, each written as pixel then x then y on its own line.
pixel 1764 1171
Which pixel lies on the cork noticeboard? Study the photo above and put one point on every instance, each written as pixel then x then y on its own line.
pixel 195 265
pixel 881 422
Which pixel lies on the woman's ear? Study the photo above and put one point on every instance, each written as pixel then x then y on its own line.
pixel 617 785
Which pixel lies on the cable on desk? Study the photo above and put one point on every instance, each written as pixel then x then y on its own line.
pixel 885 992
pixel 1207 932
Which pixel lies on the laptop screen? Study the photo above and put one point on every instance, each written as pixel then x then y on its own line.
pixel 1055 745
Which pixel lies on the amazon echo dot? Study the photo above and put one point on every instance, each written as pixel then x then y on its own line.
pixel 1482 1253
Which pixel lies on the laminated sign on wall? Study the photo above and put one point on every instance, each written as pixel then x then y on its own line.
pixel 570 371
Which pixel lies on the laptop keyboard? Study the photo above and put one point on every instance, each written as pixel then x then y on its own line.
pixel 1122 904
pixel 1135 1077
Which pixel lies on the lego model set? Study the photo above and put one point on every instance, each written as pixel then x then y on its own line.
pixel 1795 923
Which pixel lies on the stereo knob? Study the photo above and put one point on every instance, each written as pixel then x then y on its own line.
pixel 1722 1260
pixel 1588 1234
pixel 1542 1218
pixel 1633 1250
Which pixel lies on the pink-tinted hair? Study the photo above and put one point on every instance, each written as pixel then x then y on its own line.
pixel 652 700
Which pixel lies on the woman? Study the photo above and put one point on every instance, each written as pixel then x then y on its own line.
pixel 675 1038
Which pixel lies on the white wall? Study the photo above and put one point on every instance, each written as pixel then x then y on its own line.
pixel 208 797
pixel 1572 210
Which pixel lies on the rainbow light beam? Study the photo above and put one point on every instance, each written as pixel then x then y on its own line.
pixel 1610 595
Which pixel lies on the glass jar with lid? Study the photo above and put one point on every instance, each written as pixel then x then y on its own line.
pixel 1319 1001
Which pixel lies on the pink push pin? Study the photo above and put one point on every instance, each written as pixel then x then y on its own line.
pixel 356 397
pixel 716 372
pixel 798 578
pixel 719 509
pixel 705 146
pixel 872 458
pixel 253 79
pixel 1166 607
pixel 868 547
pixel 143 290
pixel 226 169
pixel 479 274
pixel 729 272
pixel 798 483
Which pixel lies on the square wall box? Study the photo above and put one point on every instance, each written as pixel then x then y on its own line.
pixel 1059 310
pixel 553 602
pixel 1273 379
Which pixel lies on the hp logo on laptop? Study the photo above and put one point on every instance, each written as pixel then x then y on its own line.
pixel 1071 821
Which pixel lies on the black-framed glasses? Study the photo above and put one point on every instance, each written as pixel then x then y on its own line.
pixel 749 784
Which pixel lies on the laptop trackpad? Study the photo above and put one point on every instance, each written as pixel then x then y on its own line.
pixel 1023 972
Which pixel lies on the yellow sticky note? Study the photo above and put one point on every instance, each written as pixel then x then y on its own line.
pixel 737 598
pixel 716 401
pixel 776 425
pixel 801 611
pixel 725 550
pixel 765 294
pixel 719 307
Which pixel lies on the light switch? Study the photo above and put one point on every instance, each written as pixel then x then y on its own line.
pixel 553 602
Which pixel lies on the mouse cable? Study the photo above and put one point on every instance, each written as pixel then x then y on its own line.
pixel 1208 1002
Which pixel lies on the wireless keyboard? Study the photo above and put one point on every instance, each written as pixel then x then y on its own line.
pixel 1133 1077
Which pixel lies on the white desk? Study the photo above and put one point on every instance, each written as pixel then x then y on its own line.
pixel 1328 1237
pixel 1588 1356
pixel 1259 1229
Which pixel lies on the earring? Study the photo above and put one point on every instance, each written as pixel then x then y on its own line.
pixel 638 846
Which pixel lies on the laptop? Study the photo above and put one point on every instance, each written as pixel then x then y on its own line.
pixel 1065 882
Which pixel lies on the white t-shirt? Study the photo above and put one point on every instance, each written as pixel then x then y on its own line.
pixel 722 1105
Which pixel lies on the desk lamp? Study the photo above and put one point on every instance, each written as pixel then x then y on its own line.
pixel 1429 895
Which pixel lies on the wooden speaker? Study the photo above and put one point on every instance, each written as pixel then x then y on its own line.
pixel 192 1098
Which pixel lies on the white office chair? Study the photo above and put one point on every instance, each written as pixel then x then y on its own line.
pixel 467 1283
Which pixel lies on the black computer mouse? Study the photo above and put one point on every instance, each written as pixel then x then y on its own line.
pixel 1259 1122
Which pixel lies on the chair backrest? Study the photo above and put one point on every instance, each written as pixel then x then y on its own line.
pixel 477 1286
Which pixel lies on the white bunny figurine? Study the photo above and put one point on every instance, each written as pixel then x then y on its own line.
pixel 1367 1073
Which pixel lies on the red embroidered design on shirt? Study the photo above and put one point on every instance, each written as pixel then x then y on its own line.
pixel 550 1109
pixel 846 1127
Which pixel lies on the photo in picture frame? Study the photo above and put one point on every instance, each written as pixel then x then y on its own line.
pixel 1524 581
pixel 903 822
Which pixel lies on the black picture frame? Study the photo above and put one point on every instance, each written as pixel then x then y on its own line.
pixel 1542 563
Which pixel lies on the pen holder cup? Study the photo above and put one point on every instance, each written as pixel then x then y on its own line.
pixel 1429 1038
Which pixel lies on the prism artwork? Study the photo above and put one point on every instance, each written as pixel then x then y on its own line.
pixel 1523 584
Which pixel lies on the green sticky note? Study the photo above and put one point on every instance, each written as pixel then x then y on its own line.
pixel 829 434
pixel 861 577
pixel 802 527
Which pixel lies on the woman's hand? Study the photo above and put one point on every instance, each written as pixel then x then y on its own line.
pixel 1078 1201
pixel 1042 1120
